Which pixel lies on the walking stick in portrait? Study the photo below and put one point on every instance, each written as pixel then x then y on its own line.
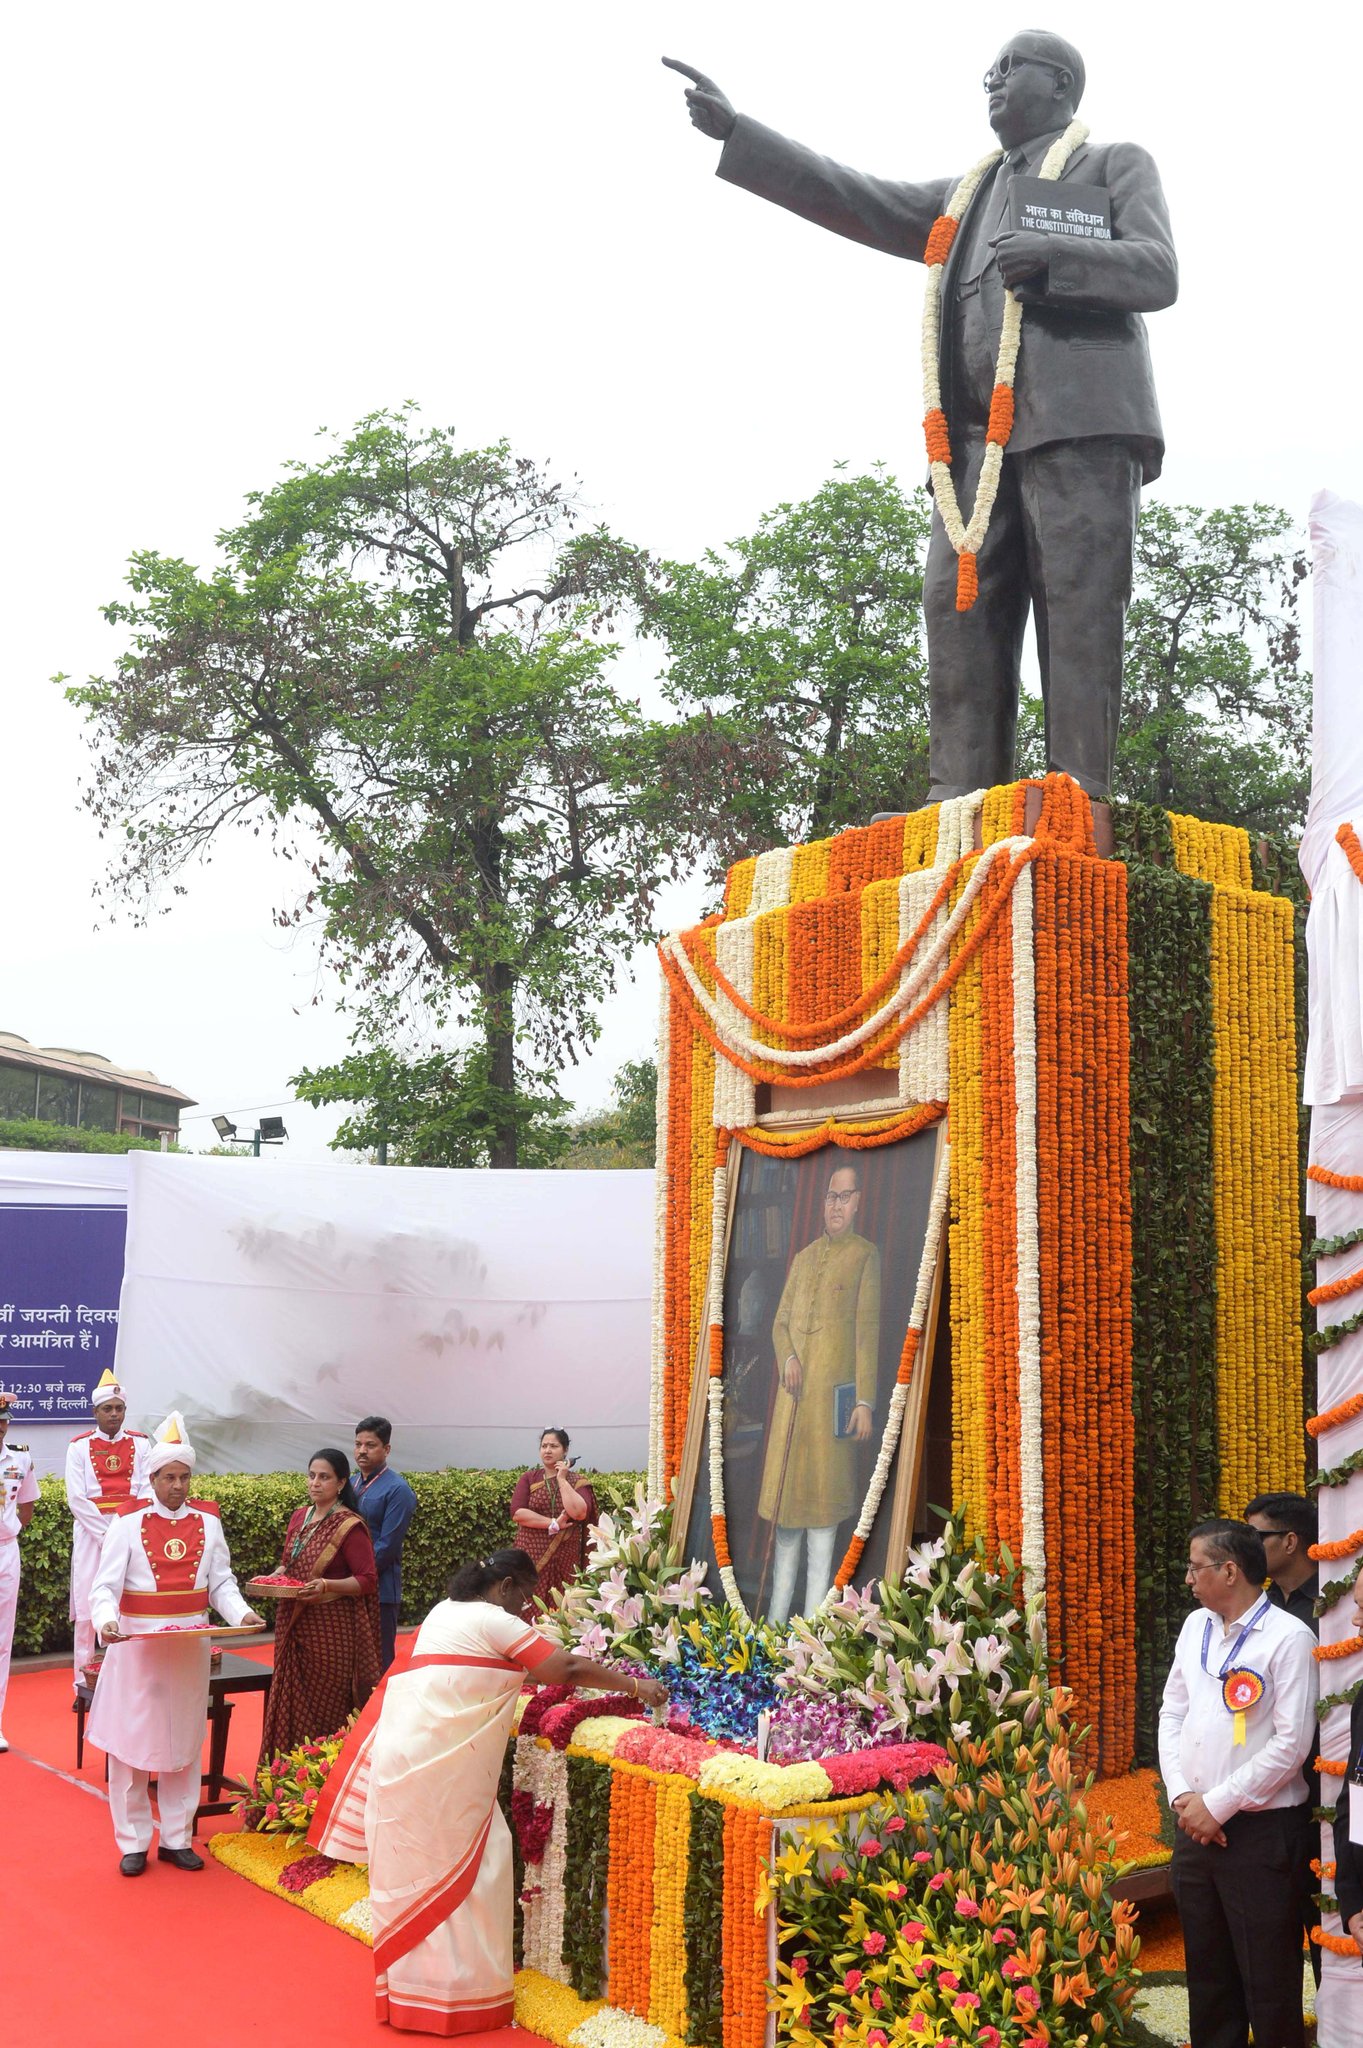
pixel 775 1521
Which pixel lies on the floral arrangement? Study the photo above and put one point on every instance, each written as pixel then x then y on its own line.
pixel 287 1787
pixel 936 1654
pixel 627 1602
pixel 980 1915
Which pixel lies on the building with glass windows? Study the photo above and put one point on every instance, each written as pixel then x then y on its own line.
pixel 83 1089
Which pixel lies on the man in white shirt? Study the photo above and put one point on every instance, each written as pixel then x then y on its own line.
pixel 161 1569
pixel 1236 1725
pixel 18 1492
pixel 105 1467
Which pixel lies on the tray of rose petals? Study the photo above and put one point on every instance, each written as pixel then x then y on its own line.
pixel 276 1586
pixel 187 1628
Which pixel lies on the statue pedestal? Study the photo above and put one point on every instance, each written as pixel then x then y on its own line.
pixel 1106 1004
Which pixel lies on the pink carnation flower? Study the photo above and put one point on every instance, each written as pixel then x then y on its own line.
pixel 1004 1937
pixel 894 1826
pixel 877 2038
pixel 1028 1998
pixel 988 2037
pixel 921 1856
pixel 949 1981
pixel 895 1891
pixel 937 1880
pixel 873 1944
pixel 872 1848
pixel 838 1874
pixel 852 1981
pixel 914 1930
pixel 967 1908
pixel 799 1966
pixel 971 1998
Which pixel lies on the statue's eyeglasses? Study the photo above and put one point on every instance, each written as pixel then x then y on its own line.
pixel 1007 62
pixel 841 1196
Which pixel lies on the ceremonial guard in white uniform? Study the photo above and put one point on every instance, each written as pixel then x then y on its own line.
pixel 166 1563
pixel 18 1491
pixel 105 1468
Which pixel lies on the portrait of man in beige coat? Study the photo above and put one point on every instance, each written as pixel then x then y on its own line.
pixel 826 1338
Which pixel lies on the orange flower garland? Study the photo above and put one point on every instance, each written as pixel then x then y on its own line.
pixel 1344 1411
pixel 1335 1290
pixel 629 1887
pixel 1353 852
pixel 1343 1548
pixel 1328 1653
pixel 1347 1183
pixel 747 1839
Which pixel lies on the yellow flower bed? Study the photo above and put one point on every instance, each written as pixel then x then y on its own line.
pixel 341 1899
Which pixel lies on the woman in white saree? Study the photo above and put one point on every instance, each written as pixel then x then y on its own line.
pixel 414 1795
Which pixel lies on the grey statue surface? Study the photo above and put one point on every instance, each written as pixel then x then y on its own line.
pixel 1086 432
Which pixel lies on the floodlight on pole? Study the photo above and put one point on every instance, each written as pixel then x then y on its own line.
pixel 224 1127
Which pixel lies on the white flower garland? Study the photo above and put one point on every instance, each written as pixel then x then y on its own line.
pixel 966 539
pixel 612 2027
pixel 913 980
pixel 657 1452
pixel 543 1773
pixel 1030 1459
pixel 894 1419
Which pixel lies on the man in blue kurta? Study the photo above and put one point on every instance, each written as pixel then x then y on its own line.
pixel 387 1504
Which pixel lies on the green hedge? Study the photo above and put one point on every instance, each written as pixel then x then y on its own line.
pixel 459 1515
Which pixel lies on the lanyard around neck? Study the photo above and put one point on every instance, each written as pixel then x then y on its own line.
pixel 1256 1616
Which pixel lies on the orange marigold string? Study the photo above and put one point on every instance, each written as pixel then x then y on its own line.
pixel 1329 1653
pixel 1332 1767
pixel 1000 414
pixel 1335 1290
pixel 1347 1183
pixel 846 1137
pixel 941 235
pixel 936 435
pixel 967 580
pixel 1338 1944
pixel 1343 1548
pixel 1344 1411
pixel 1353 852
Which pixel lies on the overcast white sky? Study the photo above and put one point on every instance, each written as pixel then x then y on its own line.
pixel 230 226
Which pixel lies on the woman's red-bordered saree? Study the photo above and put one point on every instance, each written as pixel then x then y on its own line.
pixel 414 1795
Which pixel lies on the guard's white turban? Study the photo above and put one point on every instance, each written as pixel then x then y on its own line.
pixel 171 1446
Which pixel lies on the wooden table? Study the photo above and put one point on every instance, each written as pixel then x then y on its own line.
pixel 234 1675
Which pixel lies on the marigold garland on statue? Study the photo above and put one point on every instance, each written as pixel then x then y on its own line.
pixel 968 539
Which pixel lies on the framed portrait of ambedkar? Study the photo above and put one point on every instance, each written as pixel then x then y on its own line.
pixel 824 1265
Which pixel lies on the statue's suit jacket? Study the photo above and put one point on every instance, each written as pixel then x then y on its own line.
pixel 1085 363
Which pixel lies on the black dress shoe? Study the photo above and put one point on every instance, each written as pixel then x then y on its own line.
pixel 133 1864
pixel 183 1859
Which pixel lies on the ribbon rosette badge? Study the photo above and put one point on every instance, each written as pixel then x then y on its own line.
pixel 1241 1689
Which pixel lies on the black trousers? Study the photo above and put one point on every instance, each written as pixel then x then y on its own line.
pixel 388 1631
pixel 1060 541
pixel 1241 1909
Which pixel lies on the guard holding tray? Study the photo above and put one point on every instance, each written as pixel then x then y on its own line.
pixel 162 1567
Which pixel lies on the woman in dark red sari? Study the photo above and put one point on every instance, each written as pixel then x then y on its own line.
pixel 326 1653
pixel 553 1510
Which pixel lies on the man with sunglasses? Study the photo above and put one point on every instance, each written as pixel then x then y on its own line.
pixel 1288 1524
pixel 1086 431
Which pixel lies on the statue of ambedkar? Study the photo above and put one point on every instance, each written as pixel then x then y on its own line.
pixel 1081 425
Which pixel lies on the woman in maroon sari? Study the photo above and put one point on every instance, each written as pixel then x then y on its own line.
pixel 553 1510
pixel 326 1653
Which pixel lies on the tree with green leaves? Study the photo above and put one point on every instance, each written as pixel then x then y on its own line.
pixel 796 663
pixel 399 672
pixel 624 1133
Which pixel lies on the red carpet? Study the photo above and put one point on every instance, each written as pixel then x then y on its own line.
pixel 88 1954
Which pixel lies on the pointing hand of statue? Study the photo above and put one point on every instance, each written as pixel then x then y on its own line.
pixel 1021 254
pixel 709 110
pixel 793 1377
pixel 859 1424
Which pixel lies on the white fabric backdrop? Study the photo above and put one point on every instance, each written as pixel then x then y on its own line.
pixel 275 1307
pixel 1334 1085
